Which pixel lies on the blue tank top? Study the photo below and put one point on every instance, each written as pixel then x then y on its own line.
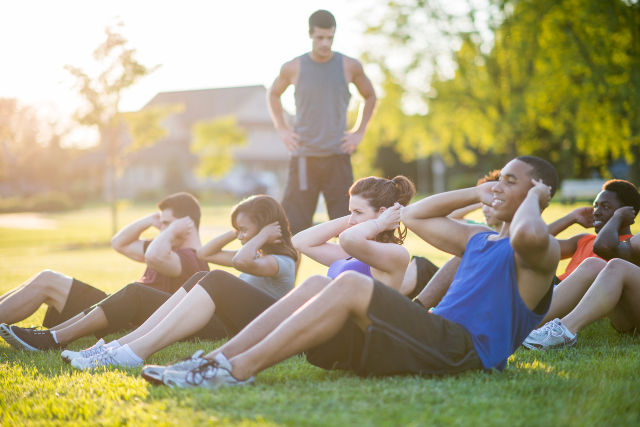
pixel 484 299
pixel 349 264
pixel 322 97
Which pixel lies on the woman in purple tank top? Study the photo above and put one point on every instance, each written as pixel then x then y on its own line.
pixel 370 237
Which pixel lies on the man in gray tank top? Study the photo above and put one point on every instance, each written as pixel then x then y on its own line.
pixel 319 144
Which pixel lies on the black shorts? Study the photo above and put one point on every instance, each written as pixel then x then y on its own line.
pixel 403 338
pixel 81 296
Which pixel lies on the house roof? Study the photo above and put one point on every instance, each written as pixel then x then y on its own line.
pixel 247 103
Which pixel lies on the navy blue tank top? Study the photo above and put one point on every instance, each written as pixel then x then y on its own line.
pixel 349 264
pixel 485 300
pixel 322 97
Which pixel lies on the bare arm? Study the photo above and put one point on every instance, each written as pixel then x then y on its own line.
pixel 439 284
pixel 280 84
pixel 428 217
pixel 160 255
pixel 212 251
pixel 582 216
pixel 314 241
pixel 127 241
pixel 607 243
pixel 359 242
pixel 248 258
pixel 351 140
pixel 537 252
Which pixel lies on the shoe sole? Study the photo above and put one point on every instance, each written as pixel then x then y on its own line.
pixel 533 347
pixel 151 379
pixel 13 340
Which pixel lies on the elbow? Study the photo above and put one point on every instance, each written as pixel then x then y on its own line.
pixel 348 240
pixel 116 245
pixel 201 254
pixel 604 250
pixel 240 263
pixel 297 243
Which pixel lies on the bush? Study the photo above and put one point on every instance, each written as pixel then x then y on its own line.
pixel 44 202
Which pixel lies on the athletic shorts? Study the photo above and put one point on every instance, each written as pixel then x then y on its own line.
pixel 403 338
pixel 81 296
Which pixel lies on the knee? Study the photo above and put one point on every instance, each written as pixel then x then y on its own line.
pixel 48 280
pixel 593 266
pixel 350 285
pixel 619 267
pixel 316 282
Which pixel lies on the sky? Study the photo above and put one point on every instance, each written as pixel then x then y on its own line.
pixel 199 44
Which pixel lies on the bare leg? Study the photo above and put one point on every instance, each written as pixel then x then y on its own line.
pixel 439 283
pixel 264 324
pixel 569 292
pixel 312 324
pixel 154 320
pixel 47 287
pixel 93 321
pixel 615 293
pixel 187 317
pixel 68 322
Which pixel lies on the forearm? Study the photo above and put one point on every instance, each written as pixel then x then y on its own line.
pixel 352 238
pixel 440 205
pixel 131 233
pixel 320 234
pixel 249 251
pixel 561 224
pixel 276 111
pixel 608 240
pixel 216 244
pixel 527 226
pixel 366 114
pixel 161 247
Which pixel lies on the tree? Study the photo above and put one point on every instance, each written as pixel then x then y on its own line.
pixel 559 79
pixel 212 143
pixel 119 70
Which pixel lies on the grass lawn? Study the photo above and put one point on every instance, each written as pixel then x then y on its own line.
pixel 596 383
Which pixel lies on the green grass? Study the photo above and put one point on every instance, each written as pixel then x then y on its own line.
pixel 595 383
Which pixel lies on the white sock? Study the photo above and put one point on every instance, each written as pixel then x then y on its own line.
pixel 125 355
pixel 55 338
pixel 112 344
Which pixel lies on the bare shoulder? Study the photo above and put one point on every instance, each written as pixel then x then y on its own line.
pixel 352 66
pixel 289 72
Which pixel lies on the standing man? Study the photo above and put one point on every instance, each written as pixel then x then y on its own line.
pixel 319 144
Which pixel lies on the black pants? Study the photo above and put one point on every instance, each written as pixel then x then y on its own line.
pixel 331 175
pixel 237 303
pixel 80 297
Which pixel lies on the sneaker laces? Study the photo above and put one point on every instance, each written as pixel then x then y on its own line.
pixel 206 371
pixel 555 329
pixel 193 357
pixel 103 359
pixel 93 351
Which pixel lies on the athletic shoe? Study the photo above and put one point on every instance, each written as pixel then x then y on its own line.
pixel 30 339
pixel 213 374
pixel 153 373
pixel 551 335
pixel 109 357
pixel 69 355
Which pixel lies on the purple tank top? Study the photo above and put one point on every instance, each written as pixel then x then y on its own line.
pixel 349 264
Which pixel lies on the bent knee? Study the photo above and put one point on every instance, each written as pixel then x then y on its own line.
pixel 593 265
pixel 51 280
pixel 619 266
pixel 351 282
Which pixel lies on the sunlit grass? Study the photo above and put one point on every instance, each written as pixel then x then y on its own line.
pixel 595 383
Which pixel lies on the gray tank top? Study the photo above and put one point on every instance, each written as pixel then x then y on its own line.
pixel 322 97
pixel 279 284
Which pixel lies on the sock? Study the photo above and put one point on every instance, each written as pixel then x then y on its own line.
pixel 112 344
pixel 55 338
pixel 126 355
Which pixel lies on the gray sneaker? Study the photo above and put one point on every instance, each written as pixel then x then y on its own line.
pixel 108 358
pixel 153 373
pixel 551 335
pixel 213 374
pixel 97 348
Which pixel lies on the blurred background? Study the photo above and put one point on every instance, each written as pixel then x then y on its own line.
pixel 104 102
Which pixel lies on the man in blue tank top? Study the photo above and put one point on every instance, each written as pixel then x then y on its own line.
pixel 319 144
pixel 499 294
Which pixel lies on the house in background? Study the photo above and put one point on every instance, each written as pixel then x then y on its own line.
pixel 260 165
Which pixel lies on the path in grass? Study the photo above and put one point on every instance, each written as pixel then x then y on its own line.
pixel 596 383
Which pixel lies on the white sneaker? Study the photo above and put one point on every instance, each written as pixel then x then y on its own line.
pixel 153 373
pixel 213 374
pixel 95 349
pixel 106 358
pixel 551 335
